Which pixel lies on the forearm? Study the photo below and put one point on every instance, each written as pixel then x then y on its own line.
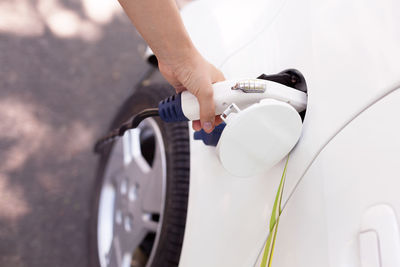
pixel 160 24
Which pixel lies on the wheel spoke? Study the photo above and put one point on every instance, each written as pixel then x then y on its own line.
pixel 114 257
pixel 152 197
pixel 150 225
pixel 116 160
pixel 127 237
pixel 138 171
pixel 152 192
pixel 120 254
pixel 136 166
pixel 129 139
pixel 132 149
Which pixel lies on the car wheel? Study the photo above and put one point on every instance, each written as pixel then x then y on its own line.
pixel 141 193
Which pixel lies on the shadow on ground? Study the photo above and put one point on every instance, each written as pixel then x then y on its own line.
pixel 58 93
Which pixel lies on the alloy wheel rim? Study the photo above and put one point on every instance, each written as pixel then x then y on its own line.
pixel 132 198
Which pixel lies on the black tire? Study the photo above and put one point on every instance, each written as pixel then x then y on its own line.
pixel 177 150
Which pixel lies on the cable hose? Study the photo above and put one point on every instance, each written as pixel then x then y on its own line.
pixel 131 124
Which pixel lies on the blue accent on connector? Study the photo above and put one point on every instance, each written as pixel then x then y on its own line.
pixel 210 139
pixel 170 109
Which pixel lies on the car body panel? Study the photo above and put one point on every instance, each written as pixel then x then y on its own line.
pixel 219 28
pixel 227 216
pixel 348 52
pixel 357 170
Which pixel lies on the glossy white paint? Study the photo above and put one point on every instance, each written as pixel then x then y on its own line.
pixel 380 220
pixel 342 195
pixel 369 249
pixel 227 215
pixel 349 54
pixel 219 28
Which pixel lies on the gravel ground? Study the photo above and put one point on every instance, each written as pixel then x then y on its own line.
pixel 64 72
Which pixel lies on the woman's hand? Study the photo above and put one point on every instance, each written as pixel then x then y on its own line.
pixel 160 24
pixel 193 73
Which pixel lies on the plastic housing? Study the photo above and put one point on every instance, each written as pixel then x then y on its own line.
pixel 257 138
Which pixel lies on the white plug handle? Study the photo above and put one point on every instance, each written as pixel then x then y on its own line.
pixel 225 96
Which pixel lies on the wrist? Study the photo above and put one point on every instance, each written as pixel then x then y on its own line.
pixel 180 55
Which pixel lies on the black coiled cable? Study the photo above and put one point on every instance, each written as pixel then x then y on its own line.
pixel 131 124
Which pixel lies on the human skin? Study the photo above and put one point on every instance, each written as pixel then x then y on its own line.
pixel 160 24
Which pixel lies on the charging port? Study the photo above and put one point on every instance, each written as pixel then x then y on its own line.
pixel 291 78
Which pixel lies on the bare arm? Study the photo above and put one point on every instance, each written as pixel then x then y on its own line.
pixel 160 24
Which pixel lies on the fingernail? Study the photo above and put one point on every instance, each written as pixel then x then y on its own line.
pixel 207 126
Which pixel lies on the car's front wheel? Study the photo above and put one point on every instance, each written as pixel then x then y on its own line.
pixel 140 202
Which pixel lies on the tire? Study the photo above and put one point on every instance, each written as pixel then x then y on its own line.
pixel 162 248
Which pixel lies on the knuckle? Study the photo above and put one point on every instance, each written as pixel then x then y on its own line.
pixel 196 92
pixel 208 116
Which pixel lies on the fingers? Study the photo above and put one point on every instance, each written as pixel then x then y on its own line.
pixel 218 77
pixel 196 75
pixel 196 125
pixel 218 120
pixel 205 96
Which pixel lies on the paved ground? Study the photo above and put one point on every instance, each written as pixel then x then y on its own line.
pixel 65 67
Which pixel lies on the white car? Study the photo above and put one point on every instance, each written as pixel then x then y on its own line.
pixel 164 198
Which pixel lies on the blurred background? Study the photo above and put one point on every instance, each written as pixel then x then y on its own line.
pixel 66 66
